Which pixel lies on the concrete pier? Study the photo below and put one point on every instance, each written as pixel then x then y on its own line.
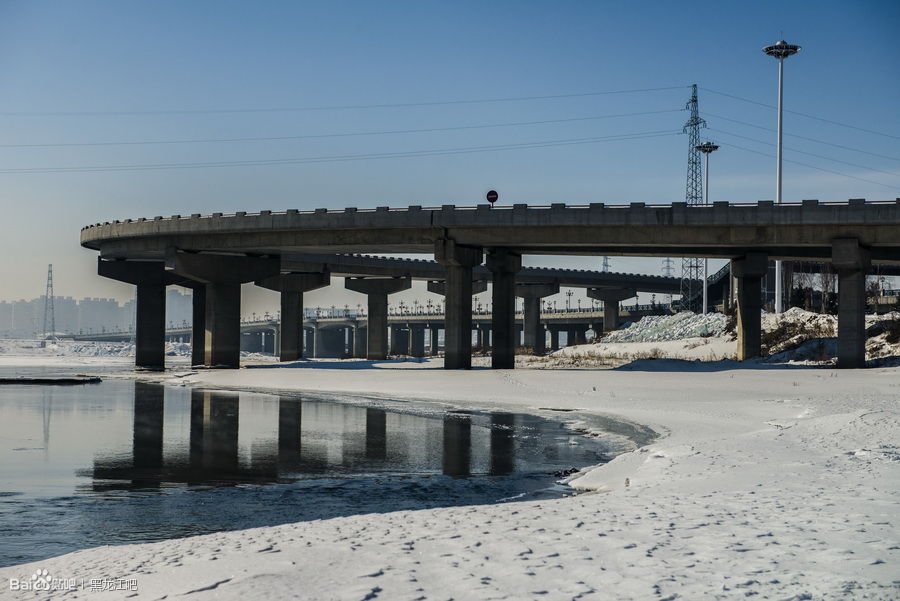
pixel 359 342
pixel 554 339
pixel 292 286
pixel 459 261
pixel 150 278
pixel 377 291
pixel 399 340
pixel 504 266
pixel 433 341
pixel 417 340
pixel 198 325
pixel 749 272
pixel 223 276
pixel 535 336
pixel 851 261
pixel 611 298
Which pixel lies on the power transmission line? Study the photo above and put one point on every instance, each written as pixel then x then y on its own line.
pixel 334 107
pixel 342 158
pixel 771 156
pixel 812 154
pixel 816 140
pixel 808 116
pixel 339 135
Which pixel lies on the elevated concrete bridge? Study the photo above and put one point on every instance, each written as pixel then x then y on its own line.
pixel 216 253
pixel 340 336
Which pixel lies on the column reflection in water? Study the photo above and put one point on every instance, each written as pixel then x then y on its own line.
pixel 457 454
pixel 214 437
pixel 503 444
pixel 376 435
pixel 290 414
pixel 147 446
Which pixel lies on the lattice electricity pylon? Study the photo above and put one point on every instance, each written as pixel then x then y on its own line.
pixel 49 310
pixel 692 268
pixel 605 264
pixel 668 269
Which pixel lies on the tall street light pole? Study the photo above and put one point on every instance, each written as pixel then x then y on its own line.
pixel 707 148
pixel 780 50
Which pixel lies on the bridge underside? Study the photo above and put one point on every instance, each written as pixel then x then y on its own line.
pixel 217 253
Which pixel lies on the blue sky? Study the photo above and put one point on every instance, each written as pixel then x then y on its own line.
pixel 92 72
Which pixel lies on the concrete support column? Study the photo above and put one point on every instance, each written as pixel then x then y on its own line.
pixel 479 337
pixel 198 326
pixel 292 286
pixel 435 347
pixel 534 329
pixel 459 261
pixel 359 341
pixel 554 339
pixel 150 326
pixel 851 261
pixel 399 340
pixel 377 291
pixel 223 276
pixel 151 278
pixel 223 325
pixel 749 272
pixel 611 298
pixel 417 340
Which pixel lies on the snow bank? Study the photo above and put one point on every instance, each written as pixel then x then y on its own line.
pixel 685 324
pixel 69 348
pixel 795 336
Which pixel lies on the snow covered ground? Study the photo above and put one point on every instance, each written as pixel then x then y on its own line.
pixel 796 336
pixel 765 483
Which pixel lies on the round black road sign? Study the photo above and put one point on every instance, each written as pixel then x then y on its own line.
pixel 492 196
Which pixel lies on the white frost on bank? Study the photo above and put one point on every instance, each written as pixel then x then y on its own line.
pixel 765 483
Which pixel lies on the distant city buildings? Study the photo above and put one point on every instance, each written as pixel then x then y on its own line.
pixel 25 318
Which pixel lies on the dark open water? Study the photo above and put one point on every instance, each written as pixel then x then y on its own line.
pixel 127 461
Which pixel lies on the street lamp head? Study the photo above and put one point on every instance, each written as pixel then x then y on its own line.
pixel 707 147
pixel 781 49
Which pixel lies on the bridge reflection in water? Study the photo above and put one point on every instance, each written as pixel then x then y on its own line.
pixel 316 438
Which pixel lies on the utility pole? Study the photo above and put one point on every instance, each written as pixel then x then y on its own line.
pixel 780 50
pixel 691 268
pixel 707 148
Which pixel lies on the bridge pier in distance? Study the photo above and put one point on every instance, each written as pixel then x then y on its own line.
pixel 377 291
pixel 433 341
pixel 611 298
pixel 851 261
pixel 222 276
pixel 749 271
pixel 292 286
pixel 417 340
pixel 504 265
pixel 150 278
pixel 399 340
pixel 554 338
pixel 459 261
pixel 359 341
pixel 534 330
